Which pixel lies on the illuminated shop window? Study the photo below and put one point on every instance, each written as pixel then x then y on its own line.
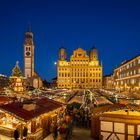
pixel 132 81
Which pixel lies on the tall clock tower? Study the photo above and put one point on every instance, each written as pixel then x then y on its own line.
pixel 28 54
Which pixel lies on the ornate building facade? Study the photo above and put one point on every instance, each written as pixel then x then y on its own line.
pixel 108 82
pixel 33 79
pixel 127 75
pixel 82 71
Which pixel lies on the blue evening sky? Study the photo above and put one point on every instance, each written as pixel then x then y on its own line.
pixel 114 25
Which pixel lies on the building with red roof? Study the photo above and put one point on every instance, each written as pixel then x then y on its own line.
pixel 35 115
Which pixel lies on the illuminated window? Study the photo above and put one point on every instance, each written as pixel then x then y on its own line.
pixel 134 71
pixel 134 63
pixel 132 81
pixel 139 61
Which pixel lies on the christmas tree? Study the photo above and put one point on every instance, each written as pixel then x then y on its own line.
pixel 16 70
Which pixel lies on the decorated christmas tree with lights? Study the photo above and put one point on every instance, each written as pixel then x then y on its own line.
pixel 16 70
pixel 16 78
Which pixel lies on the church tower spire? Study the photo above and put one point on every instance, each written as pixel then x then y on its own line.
pixel 28 54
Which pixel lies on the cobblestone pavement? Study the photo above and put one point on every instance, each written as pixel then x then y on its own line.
pixel 78 134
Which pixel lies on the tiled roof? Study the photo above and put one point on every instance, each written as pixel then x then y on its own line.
pixel 4 100
pixel 44 105
pixel 128 61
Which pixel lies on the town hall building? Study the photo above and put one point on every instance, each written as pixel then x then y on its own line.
pixel 82 71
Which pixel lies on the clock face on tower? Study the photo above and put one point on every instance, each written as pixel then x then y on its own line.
pixel 28 53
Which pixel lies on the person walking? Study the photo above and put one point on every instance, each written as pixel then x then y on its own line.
pixel 16 134
pixel 67 133
pixel 55 131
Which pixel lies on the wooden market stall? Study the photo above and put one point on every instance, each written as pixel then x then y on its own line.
pixel 31 119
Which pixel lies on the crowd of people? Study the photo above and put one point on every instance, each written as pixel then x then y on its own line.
pixel 71 118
